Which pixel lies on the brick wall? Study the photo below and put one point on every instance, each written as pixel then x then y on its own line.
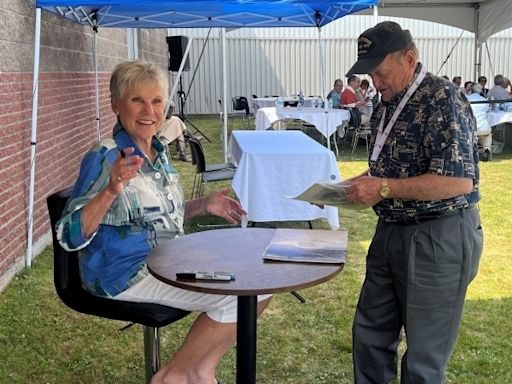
pixel 66 129
pixel 66 114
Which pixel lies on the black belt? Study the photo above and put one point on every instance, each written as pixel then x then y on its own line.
pixel 423 217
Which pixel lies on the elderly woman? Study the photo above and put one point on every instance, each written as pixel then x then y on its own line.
pixel 126 201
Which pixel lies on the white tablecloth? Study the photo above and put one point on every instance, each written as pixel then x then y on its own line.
pixel 265 102
pixel 275 164
pixel 495 118
pixel 326 123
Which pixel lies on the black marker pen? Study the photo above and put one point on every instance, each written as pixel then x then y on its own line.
pixel 196 275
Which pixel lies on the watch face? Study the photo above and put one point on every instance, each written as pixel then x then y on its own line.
pixel 384 191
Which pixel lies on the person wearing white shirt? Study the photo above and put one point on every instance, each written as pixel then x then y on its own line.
pixel 484 131
pixel 499 91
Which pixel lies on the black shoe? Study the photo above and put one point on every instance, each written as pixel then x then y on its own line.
pixel 486 156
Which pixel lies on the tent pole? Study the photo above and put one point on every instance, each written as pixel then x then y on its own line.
pixel 35 95
pixel 323 85
pixel 224 96
pixel 96 82
pixel 478 46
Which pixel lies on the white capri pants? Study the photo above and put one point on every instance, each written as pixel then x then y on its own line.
pixel 220 308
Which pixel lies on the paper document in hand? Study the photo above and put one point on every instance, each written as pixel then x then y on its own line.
pixel 328 194
pixel 307 245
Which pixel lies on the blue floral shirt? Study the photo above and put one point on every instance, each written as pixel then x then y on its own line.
pixel 149 210
pixel 435 133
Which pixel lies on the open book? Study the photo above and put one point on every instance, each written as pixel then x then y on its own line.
pixel 327 194
pixel 308 245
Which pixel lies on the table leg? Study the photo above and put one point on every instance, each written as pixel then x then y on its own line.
pixel 246 340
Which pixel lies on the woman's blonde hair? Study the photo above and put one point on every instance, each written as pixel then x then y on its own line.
pixel 131 74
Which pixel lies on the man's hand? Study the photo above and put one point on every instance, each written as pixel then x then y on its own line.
pixel 364 190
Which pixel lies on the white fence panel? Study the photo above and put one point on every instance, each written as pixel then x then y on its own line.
pixel 275 61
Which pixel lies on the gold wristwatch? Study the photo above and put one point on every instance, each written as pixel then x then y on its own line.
pixel 384 188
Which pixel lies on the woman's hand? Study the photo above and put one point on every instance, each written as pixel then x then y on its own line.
pixel 123 170
pixel 220 204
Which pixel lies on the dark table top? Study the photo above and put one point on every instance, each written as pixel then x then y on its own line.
pixel 239 251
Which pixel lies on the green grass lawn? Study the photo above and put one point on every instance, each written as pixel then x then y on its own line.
pixel 42 341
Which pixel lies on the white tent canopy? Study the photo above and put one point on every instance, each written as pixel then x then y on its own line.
pixel 482 17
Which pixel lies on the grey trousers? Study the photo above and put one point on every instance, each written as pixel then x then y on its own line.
pixel 416 277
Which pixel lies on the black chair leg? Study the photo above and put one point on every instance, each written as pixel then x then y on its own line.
pixel 151 351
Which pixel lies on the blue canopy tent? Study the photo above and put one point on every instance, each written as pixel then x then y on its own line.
pixel 181 14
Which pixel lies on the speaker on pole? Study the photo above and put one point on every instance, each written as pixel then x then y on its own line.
pixel 176 46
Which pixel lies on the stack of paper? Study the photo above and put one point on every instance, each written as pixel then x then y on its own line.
pixel 309 246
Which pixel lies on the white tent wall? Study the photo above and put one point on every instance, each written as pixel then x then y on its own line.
pixel 281 61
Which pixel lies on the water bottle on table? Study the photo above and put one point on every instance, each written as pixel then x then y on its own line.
pixel 301 99
pixel 494 106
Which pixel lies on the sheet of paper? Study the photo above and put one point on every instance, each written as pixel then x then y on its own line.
pixel 327 194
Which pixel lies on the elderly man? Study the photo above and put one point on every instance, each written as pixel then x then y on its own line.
pixel 484 131
pixel 335 93
pixel 499 91
pixel 423 183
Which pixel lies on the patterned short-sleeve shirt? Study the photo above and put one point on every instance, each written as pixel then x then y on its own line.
pixel 435 133
pixel 149 210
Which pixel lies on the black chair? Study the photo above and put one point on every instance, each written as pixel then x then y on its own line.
pixel 208 167
pixel 254 104
pixel 69 288
pixel 203 175
pixel 221 114
pixel 358 130
pixel 241 108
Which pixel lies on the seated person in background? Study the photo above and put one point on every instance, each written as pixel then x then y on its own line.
pixel 499 91
pixel 482 80
pixel 172 130
pixel 126 201
pixel 368 93
pixel 349 97
pixel 457 80
pixel 335 93
pixel 467 88
pixel 484 132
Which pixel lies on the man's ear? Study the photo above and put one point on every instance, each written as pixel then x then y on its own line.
pixel 410 56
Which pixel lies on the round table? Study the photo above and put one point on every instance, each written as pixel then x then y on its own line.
pixel 238 251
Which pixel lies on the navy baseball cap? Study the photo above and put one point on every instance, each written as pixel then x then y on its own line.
pixel 376 43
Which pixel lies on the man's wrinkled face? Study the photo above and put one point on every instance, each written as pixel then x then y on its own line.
pixel 394 73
